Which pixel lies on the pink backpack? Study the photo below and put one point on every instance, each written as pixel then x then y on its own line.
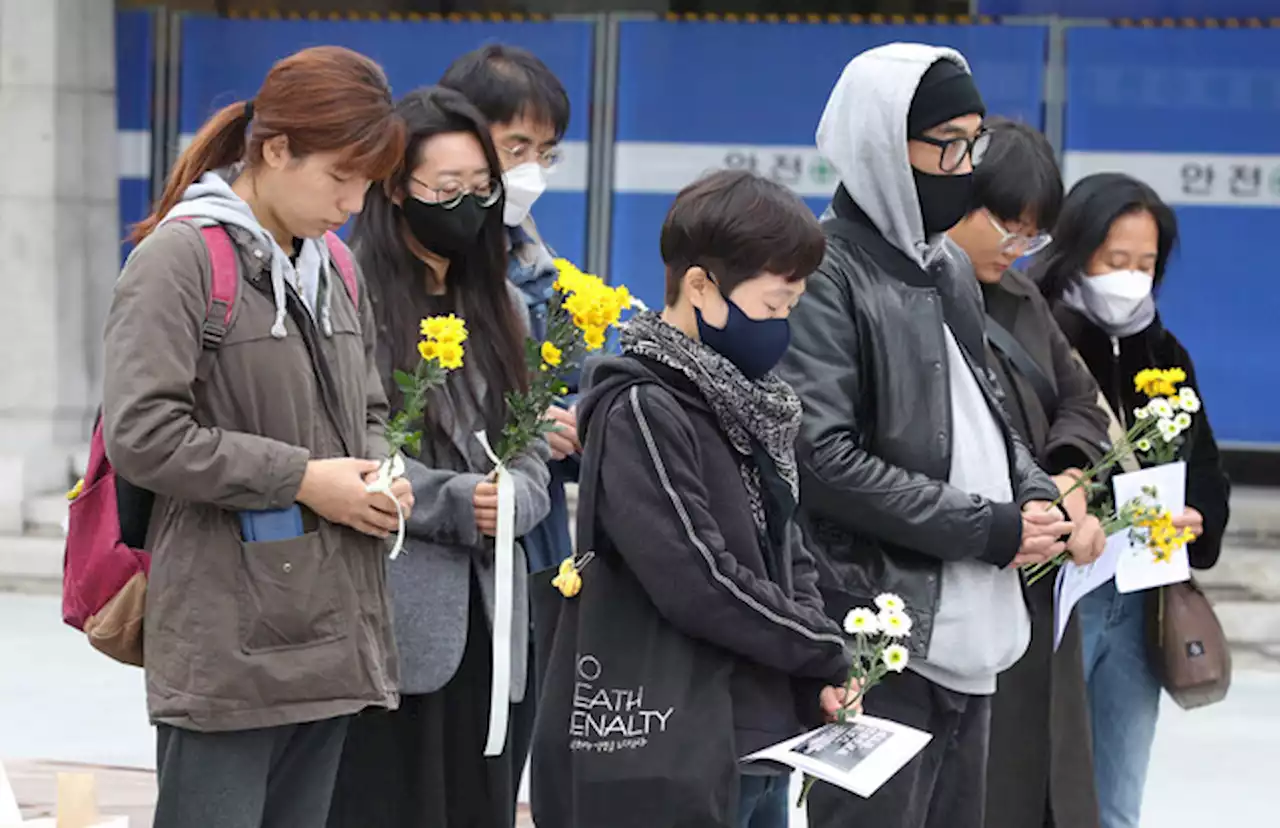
pixel 105 567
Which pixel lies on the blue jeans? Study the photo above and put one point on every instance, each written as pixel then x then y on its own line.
pixel 762 801
pixel 1124 699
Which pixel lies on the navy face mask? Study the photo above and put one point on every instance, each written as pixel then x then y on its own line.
pixel 755 346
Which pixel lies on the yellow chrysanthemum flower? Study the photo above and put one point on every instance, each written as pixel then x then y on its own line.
pixel 428 350
pixel 445 329
pixel 1159 382
pixel 449 355
pixel 594 339
pixel 551 355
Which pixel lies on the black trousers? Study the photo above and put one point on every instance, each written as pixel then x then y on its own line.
pixel 276 777
pixel 944 786
pixel 423 765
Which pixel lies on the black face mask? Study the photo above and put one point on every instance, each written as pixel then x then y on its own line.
pixel 944 200
pixel 446 231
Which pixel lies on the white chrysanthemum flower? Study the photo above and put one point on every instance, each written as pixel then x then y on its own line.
pixel 1141 413
pixel 889 601
pixel 1175 403
pixel 1190 401
pixel 895 657
pixel 1160 407
pixel 895 624
pixel 1144 445
pixel 1168 429
pixel 1182 421
pixel 861 620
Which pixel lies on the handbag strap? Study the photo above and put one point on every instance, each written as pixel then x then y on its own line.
pixel 1115 431
pixel 1005 342
pixel 589 471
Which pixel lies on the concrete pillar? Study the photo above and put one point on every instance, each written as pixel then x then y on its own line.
pixel 59 227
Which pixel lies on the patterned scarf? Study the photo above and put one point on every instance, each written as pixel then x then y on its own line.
pixel 765 411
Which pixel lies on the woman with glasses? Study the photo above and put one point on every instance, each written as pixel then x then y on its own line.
pixel 431 242
pixel 1040 766
pixel 1108 258
pixel 528 113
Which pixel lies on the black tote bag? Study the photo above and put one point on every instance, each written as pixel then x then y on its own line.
pixel 635 723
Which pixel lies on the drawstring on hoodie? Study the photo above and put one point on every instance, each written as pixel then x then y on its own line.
pixel 211 200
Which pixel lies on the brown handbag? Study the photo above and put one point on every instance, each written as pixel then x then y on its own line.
pixel 1189 653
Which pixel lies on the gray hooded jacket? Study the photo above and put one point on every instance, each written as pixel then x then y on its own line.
pixel 912 479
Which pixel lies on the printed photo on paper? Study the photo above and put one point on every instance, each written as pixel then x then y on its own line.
pixel 859 755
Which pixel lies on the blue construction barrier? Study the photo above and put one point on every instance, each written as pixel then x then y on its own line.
pixel 1195 114
pixel 693 96
pixel 413 54
pixel 135 55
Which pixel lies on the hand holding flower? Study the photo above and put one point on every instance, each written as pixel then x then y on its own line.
pixel 1087 542
pixel 837 701
pixel 564 439
pixel 1191 520
pixel 485 503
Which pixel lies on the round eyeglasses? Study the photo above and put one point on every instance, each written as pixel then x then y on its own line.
pixel 1018 244
pixel 450 194
pixel 952 151
pixel 524 153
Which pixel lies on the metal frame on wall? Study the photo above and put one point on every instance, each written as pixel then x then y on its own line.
pixel 601 213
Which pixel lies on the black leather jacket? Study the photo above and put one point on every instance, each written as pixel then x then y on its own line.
pixel 868 357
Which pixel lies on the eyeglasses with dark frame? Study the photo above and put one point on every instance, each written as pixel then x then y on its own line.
pixel 1016 243
pixel 452 193
pixel 952 151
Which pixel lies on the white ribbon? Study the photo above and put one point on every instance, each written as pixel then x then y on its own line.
pixel 503 600
pixel 391 470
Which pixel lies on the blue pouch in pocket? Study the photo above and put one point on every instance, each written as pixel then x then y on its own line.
pixel 271 524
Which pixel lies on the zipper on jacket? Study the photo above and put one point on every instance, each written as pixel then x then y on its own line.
pixel 1121 411
pixel 319 365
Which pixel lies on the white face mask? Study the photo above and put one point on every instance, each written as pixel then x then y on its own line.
pixel 1114 299
pixel 523 185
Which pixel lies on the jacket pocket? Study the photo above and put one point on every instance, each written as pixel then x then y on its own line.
pixel 289 595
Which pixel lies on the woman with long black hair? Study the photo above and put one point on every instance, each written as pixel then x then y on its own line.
pixel 431 241
pixel 1110 248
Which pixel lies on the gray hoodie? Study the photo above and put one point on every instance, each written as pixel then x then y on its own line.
pixel 211 200
pixel 981 627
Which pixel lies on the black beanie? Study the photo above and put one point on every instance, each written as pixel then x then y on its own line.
pixel 946 91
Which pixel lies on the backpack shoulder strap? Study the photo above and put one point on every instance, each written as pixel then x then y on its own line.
pixel 224 285
pixel 1006 343
pixel 346 264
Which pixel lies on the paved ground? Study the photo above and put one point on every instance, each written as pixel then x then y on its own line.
pixel 62 703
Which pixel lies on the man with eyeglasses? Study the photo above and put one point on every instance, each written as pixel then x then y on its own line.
pixel 528 112
pixel 1040 762
pixel 912 481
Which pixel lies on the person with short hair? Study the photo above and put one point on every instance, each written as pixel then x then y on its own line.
pixel 1040 765
pixel 914 482
pixel 527 109
pixel 699 478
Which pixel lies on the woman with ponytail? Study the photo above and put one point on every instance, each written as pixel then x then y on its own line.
pixel 254 420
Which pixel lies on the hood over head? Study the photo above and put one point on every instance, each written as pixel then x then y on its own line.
pixel 210 200
pixel 601 376
pixel 863 134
